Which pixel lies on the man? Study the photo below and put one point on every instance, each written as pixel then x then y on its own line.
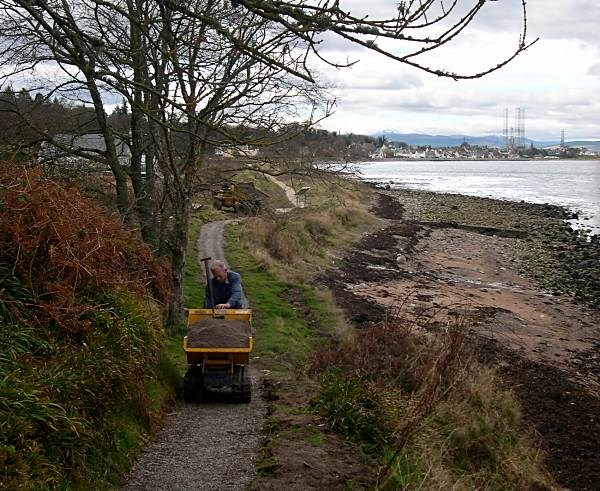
pixel 226 287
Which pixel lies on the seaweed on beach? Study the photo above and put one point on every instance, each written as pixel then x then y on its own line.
pixel 565 261
pixel 562 260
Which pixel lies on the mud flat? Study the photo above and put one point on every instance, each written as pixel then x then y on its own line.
pixel 527 286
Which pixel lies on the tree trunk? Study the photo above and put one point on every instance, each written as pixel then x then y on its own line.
pixel 143 184
pixel 181 216
pixel 111 154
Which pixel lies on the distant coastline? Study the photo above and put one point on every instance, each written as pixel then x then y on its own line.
pixel 572 184
pixel 515 159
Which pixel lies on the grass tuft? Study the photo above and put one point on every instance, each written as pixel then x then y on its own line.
pixel 352 408
pixel 434 416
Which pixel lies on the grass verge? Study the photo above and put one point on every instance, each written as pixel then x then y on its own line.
pixel 284 339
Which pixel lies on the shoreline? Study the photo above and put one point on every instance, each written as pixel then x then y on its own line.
pixel 573 217
pixel 562 260
pixel 568 183
pixel 544 344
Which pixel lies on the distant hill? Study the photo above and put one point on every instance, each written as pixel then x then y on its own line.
pixel 592 145
pixel 437 141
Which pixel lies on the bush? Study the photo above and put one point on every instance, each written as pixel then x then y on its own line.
pixel 81 337
pixel 394 354
pixel 62 247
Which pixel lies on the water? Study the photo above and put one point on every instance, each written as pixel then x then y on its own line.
pixel 574 184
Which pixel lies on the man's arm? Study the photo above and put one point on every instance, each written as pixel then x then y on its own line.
pixel 235 281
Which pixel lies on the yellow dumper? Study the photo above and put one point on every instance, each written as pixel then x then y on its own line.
pixel 216 360
pixel 240 196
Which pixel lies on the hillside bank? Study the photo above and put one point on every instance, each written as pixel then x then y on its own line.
pixel 86 368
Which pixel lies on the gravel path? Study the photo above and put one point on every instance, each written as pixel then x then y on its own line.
pixel 210 244
pixel 210 240
pixel 209 446
pixel 289 192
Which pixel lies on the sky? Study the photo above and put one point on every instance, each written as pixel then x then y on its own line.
pixel 555 82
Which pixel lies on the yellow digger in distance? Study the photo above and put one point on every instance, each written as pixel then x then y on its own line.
pixel 241 197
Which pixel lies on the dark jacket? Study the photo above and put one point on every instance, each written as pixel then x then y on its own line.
pixel 229 292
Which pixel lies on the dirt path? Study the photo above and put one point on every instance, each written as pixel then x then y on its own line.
pixel 547 348
pixel 209 446
pixel 211 243
pixel 211 240
pixel 289 192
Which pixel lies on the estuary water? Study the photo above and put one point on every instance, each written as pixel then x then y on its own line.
pixel 574 184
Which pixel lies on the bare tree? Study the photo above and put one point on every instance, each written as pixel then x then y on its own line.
pixel 187 86
pixel 421 26
pixel 195 75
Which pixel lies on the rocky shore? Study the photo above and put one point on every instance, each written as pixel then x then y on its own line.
pixel 526 285
pixel 560 259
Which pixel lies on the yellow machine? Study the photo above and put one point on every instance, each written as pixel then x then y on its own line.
pixel 223 368
pixel 241 196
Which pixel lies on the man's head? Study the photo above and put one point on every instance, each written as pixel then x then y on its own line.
pixel 219 271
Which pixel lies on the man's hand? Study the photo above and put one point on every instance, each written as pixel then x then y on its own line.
pixel 223 306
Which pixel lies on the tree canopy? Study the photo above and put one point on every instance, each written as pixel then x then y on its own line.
pixel 196 75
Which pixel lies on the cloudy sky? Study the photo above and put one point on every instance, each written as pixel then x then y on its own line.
pixel 556 82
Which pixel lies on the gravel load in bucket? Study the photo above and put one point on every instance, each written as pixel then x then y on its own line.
pixel 219 333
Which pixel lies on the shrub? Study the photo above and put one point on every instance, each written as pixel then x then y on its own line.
pixel 61 246
pixel 80 337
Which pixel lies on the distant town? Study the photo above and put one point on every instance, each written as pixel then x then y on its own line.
pixel 465 151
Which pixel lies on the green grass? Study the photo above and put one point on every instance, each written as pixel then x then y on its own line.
pixel 73 413
pixel 283 339
pixel 353 409
pixel 472 437
pixel 315 437
pixel 406 470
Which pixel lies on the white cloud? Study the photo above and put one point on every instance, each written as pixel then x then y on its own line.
pixel 555 81
pixel 594 69
pixel 553 19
